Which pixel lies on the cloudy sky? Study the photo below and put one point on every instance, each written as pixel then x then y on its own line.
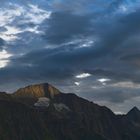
pixel 89 47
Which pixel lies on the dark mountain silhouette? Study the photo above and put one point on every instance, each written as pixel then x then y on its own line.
pixel 42 112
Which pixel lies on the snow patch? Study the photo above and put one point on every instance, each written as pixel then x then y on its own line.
pixel 42 102
pixel 60 107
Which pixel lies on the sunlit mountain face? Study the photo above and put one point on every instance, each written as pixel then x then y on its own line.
pixel 91 48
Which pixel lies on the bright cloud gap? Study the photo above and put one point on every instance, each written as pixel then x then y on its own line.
pixel 102 80
pixel 30 14
pixel 4 55
pixel 83 75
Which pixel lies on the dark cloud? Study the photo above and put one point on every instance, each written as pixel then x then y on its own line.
pixel 68 59
pixel 2 42
pixel 116 95
pixel 86 6
pixel 65 26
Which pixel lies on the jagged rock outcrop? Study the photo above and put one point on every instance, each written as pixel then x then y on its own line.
pixel 39 90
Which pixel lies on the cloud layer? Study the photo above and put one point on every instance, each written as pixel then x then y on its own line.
pixel 58 41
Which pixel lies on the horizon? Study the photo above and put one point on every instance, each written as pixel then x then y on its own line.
pixel 90 48
pixel 36 84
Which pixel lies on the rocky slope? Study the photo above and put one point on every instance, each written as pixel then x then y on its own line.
pixel 40 90
pixel 42 112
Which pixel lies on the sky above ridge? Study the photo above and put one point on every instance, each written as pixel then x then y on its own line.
pixel 89 47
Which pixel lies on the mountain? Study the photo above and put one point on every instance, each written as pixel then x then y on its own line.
pixel 42 112
pixel 134 114
pixel 37 91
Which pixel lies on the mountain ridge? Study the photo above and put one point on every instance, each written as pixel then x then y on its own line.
pixel 50 114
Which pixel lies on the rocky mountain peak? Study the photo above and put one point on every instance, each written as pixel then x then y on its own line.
pixel 38 90
pixel 134 115
pixel 134 110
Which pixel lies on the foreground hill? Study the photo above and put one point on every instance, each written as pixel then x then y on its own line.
pixel 42 112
